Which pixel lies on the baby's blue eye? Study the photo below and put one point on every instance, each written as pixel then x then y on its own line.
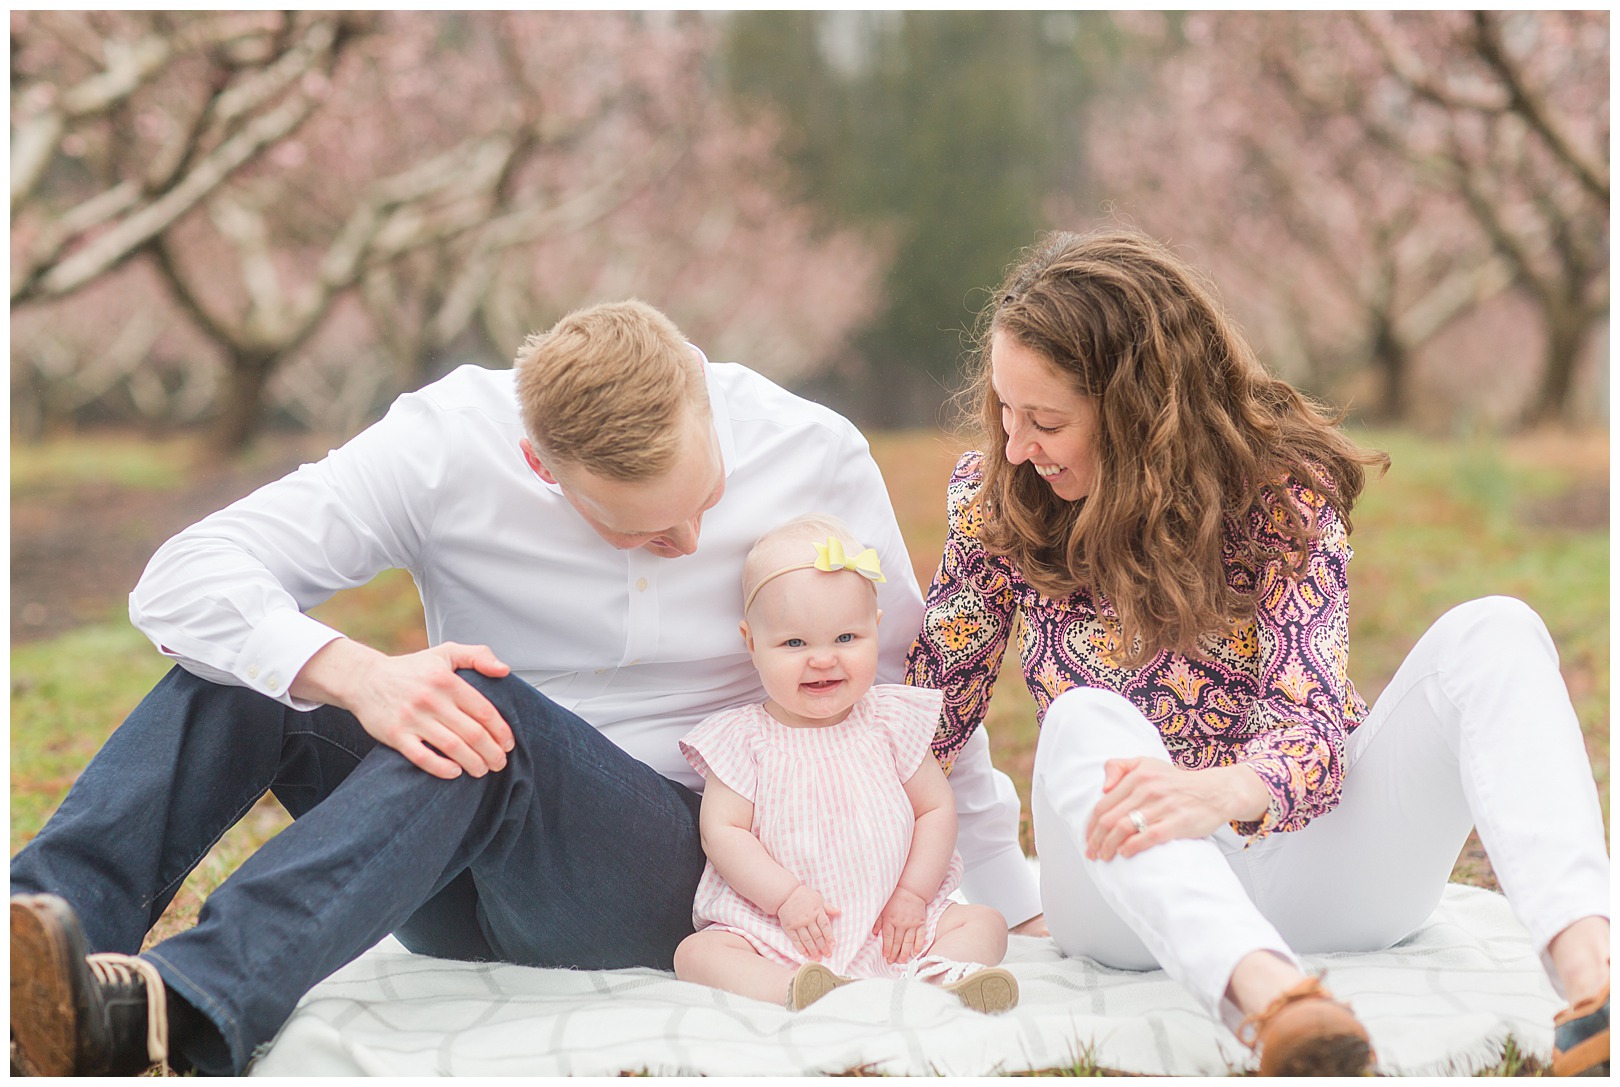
pixel 846 637
pixel 794 643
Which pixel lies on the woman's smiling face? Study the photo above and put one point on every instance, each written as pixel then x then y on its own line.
pixel 1048 423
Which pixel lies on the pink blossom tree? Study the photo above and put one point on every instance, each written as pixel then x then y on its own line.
pixel 673 197
pixel 1308 161
pixel 124 122
pixel 1320 239
pixel 1510 111
pixel 452 156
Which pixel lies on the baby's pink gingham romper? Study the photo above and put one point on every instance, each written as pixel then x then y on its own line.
pixel 830 806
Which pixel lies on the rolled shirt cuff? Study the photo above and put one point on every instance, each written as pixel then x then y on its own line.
pixel 277 651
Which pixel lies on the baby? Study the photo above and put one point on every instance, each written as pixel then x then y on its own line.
pixel 829 827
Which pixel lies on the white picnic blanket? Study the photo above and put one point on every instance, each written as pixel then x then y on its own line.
pixel 1443 1002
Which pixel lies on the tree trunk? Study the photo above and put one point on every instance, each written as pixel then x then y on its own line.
pixel 243 408
pixel 1392 362
pixel 1567 328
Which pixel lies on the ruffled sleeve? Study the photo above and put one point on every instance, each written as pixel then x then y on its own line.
pixel 967 621
pixel 725 745
pixel 1297 724
pixel 910 716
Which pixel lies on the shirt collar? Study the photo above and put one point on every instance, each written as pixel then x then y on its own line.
pixel 717 411
pixel 720 414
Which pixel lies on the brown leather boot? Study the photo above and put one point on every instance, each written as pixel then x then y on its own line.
pixel 1305 1032
pixel 74 1014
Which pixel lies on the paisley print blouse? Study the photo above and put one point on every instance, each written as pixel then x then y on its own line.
pixel 1272 695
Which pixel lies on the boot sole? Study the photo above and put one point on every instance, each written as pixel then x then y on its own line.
pixel 44 1007
pixel 1346 1055
pixel 989 991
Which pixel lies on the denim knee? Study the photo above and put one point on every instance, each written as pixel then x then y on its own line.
pixel 538 725
pixel 513 698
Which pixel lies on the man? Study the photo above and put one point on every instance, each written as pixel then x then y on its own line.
pixel 514 793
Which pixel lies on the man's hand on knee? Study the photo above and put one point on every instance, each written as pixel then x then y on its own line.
pixel 415 703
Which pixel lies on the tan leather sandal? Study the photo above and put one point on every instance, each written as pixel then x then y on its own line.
pixel 987 989
pixel 1305 1032
pixel 812 982
pixel 990 990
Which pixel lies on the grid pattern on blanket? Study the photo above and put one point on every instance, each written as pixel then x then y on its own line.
pixel 1443 1002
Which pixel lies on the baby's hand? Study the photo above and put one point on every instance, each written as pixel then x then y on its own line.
pixel 901 925
pixel 808 922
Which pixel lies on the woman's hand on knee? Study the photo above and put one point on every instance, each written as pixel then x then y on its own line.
pixel 1148 801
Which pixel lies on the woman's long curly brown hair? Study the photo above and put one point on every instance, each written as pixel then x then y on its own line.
pixel 1192 436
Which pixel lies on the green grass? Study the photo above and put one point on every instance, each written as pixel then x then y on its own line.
pixel 128 462
pixel 1454 521
pixel 1451 521
pixel 65 696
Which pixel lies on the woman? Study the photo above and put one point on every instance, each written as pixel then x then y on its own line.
pixel 1210 794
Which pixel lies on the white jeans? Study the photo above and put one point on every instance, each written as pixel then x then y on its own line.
pixel 1476 728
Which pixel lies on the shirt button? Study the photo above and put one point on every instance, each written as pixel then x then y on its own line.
pixel 253 671
pixel 641 585
pixel 273 683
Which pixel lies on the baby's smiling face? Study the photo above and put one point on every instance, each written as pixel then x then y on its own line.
pixel 813 637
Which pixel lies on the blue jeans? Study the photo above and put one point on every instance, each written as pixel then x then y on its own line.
pixel 574 854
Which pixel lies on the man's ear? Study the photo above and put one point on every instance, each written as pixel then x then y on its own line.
pixel 536 465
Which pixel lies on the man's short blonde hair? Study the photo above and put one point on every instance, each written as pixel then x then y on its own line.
pixel 609 388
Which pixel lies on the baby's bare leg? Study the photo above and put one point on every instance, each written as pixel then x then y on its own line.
pixel 726 961
pixel 970 934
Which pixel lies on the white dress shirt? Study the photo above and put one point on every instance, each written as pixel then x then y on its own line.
pixel 642 647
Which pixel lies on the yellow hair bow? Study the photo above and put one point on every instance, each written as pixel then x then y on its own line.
pixel 830 556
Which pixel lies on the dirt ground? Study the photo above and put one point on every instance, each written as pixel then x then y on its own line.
pixel 77 553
